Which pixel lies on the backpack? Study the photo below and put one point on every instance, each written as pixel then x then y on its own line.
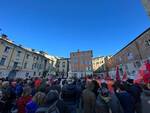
pixel 52 109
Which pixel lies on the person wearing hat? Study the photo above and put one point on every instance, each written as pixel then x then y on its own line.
pixel 70 94
pixel 53 103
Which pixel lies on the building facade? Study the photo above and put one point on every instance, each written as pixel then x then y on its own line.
pixel 17 61
pixel 99 64
pixel 146 4
pixel 81 63
pixel 132 56
pixel 63 67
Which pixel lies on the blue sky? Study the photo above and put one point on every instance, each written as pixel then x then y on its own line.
pixel 61 26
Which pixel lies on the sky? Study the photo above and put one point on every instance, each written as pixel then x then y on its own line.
pixel 62 26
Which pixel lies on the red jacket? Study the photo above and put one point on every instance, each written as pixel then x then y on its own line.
pixel 21 103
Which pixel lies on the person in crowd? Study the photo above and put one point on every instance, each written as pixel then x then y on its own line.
pixel 107 101
pixel 8 97
pixel 70 95
pixel 53 104
pixel 135 90
pixel 55 86
pixel 42 86
pixel 102 101
pixel 126 100
pixel 37 101
pixel 19 88
pixel 24 99
pixel 96 87
pixel 89 98
pixel 146 98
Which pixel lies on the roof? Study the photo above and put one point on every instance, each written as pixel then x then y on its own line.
pixel 99 57
pixel 82 51
pixel 133 41
pixel 19 46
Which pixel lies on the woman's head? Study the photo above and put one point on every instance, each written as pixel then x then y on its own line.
pixel 39 98
pixel 26 91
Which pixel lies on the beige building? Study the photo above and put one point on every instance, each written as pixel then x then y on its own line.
pixel 17 61
pixel 132 56
pixel 63 67
pixel 98 64
pixel 51 66
pixel 81 63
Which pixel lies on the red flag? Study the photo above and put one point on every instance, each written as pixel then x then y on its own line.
pixel 117 74
pixel 125 77
pixel 143 74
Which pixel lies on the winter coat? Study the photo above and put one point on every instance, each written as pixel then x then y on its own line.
pixel 115 105
pixel 135 91
pixel 109 103
pixel 21 103
pixel 89 101
pixel 127 102
pixel 101 105
pixel 18 90
pixel 70 94
pixel 54 87
pixel 7 100
pixel 146 101
pixel 51 99
pixel 31 107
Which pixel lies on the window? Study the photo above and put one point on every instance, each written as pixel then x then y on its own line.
pixel 82 62
pixel 25 65
pixel 89 68
pixel 137 64
pixel 147 42
pixel 37 58
pixel 130 56
pixel 89 63
pixel 34 58
pixel 75 60
pixel 15 64
pixel 7 49
pixel 2 62
pixel 27 56
pixel 18 53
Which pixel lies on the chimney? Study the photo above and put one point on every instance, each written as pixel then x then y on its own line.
pixel 33 50
pixel 4 36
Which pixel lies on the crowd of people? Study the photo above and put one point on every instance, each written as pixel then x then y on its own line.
pixel 71 95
